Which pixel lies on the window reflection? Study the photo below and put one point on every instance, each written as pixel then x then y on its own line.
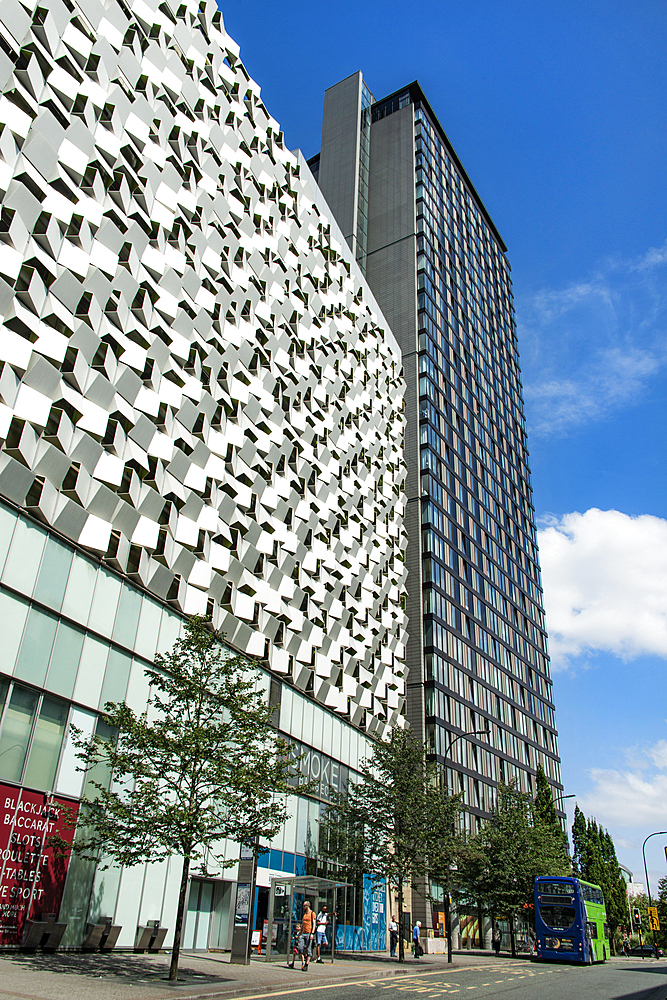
pixel 16 731
pixel 46 744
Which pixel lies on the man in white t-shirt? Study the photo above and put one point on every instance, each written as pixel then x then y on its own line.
pixel 393 936
pixel 321 930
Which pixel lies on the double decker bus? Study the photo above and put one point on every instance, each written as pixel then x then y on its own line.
pixel 570 920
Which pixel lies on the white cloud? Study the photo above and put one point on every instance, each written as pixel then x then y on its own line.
pixel 658 754
pixel 653 257
pixel 594 346
pixel 630 798
pixel 605 585
pixel 627 799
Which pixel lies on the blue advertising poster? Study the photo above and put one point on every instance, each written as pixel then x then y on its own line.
pixel 374 933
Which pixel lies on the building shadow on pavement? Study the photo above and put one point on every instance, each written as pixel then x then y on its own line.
pixel 127 967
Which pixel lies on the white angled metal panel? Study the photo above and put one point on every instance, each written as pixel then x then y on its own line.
pixel 196 382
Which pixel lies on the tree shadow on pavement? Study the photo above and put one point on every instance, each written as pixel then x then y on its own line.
pixel 125 966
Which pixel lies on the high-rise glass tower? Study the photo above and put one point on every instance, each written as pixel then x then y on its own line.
pixel 479 687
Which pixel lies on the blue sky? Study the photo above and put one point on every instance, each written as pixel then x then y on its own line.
pixel 558 111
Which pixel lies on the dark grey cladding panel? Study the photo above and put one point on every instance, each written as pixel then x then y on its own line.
pixel 391 267
pixel 339 155
pixel 391 207
pixel 392 274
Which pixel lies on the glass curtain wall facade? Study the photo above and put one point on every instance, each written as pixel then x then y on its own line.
pixel 486 663
pixel 479 686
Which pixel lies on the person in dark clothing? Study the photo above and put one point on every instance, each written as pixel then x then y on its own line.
pixel 393 937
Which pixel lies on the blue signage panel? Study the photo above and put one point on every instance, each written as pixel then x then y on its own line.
pixel 374 933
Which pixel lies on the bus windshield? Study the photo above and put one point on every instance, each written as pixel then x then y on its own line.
pixel 558 918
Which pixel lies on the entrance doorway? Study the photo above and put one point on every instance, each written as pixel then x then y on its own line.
pixel 262 914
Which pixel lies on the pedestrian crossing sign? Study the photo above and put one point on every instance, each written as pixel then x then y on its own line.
pixel 653 919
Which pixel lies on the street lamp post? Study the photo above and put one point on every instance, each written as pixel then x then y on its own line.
pixel 559 798
pixel 658 833
pixel 448 925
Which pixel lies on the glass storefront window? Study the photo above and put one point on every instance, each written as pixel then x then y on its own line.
pixel 65 660
pixel 149 627
pixel 80 589
pixel 169 632
pixel 116 677
pixel 25 555
pixel 53 574
pixel 69 779
pixel 307 730
pixel 7 522
pixel 46 744
pixel 285 708
pixel 36 647
pixel 105 603
pixel 297 717
pixel 127 619
pixel 301 846
pixel 99 774
pixel 13 613
pixel 90 678
pixel 16 731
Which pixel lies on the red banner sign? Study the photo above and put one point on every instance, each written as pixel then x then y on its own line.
pixel 32 872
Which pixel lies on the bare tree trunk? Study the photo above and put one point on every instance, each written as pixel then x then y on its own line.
pixel 178 929
pixel 401 944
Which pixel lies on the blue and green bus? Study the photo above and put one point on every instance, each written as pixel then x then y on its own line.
pixel 570 920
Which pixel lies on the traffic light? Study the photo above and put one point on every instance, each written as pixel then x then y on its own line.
pixel 637 917
pixel 665 852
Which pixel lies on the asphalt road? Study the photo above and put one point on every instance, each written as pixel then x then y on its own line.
pixel 622 979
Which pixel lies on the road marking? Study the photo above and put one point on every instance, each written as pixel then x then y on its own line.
pixel 288 991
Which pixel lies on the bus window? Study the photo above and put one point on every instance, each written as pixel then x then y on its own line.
pixel 556 888
pixel 591 894
pixel 558 918
pixel 607 931
pixel 592 929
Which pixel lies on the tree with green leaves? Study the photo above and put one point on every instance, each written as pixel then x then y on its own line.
pixel 201 764
pixel 594 860
pixel 579 842
pixel 499 864
pixel 395 822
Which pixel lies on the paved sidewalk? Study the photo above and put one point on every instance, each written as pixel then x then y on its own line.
pixel 125 976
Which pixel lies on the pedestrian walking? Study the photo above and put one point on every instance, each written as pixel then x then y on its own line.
pixel 416 939
pixel 307 935
pixel 497 939
pixel 393 937
pixel 626 943
pixel 321 931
